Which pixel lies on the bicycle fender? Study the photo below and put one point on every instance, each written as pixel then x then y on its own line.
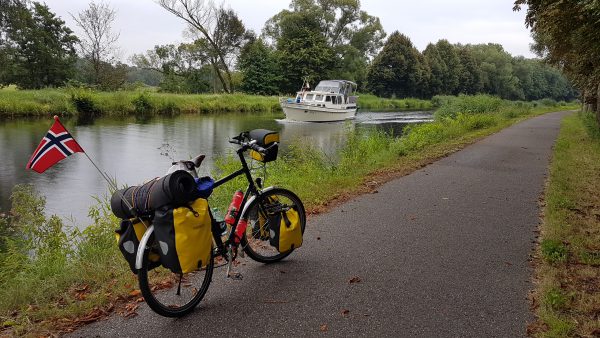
pixel 246 205
pixel 143 242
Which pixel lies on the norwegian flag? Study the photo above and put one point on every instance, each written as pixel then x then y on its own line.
pixel 57 145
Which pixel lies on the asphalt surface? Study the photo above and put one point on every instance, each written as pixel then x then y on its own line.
pixel 442 252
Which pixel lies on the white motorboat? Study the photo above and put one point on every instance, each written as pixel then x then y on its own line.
pixel 331 100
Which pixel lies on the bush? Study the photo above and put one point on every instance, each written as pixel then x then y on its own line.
pixel 83 99
pixel 476 104
pixel 554 251
pixel 142 103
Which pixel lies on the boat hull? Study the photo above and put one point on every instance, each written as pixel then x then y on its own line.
pixel 306 113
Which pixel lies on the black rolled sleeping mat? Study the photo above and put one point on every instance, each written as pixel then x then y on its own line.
pixel 175 189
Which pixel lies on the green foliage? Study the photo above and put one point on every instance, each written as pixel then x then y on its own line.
pixel 83 100
pixel 39 48
pixel 555 299
pixel 449 106
pixel 591 125
pixel 303 53
pixel 566 34
pixel 554 251
pixel 142 103
pixel 369 101
pixel 341 38
pixel 44 261
pixel 260 69
pixel 445 68
pixel 398 70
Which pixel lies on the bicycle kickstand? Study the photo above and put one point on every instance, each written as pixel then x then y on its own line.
pixel 230 273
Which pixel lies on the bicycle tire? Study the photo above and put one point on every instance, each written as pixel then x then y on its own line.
pixel 160 291
pixel 258 248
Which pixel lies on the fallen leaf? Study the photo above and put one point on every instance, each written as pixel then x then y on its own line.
pixel 135 293
pixel 354 279
pixel 323 328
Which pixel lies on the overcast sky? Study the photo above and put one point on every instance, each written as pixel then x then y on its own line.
pixel 143 24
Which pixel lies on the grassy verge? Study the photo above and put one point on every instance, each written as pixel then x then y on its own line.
pixel 47 284
pixel 372 102
pixel 29 103
pixel 567 296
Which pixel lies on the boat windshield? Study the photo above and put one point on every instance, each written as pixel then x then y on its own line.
pixel 336 87
pixel 309 97
pixel 318 97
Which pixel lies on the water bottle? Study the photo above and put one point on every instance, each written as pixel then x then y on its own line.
pixel 240 230
pixel 234 207
pixel 218 216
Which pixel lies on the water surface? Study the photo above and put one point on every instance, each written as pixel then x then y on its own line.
pixel 133 150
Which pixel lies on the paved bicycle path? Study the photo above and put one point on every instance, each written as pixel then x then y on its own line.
pixel 442 252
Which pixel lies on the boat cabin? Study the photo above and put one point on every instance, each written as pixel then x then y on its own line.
pixel 335 92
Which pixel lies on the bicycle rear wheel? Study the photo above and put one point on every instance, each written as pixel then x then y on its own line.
pixel 256 240
pixel 170 294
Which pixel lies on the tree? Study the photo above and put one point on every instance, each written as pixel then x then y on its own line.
pixel 398 70
pixel 183 66
pixel 303 52
pixel 341 22
pixel 38 47
pixel 260 70
pixel 496 66
pixel 221 29
pixel 98 44
pixel 470 77
pixel 339 28
pixel 566 34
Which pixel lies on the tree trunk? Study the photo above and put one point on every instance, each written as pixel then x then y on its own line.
pixel 598 105
pixel 218 72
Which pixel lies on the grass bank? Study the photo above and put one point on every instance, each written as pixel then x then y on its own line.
pixel 31 103
pixel 567 295
pixel 74 101
pixel 372 102
pixel 53 278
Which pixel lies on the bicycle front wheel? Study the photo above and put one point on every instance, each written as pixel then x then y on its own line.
pixel 170 294
pixel 256 242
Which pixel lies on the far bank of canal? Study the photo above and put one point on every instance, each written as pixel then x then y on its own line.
pixel 133 151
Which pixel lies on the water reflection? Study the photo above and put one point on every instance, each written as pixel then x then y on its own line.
pixel 133 150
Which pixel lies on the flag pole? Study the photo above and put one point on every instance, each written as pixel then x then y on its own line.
pixel 113 185
pixel 110 183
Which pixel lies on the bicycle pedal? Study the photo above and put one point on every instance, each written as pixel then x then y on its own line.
pixel 235 275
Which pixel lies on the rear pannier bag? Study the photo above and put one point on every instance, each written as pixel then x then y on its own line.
pixel 184 236
pixel 285 230
pixel 265 138
pixel 128 237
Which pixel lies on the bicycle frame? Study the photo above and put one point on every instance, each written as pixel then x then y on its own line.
pixel 250 191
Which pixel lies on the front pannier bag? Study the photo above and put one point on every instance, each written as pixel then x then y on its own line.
pixel 285 230
pixel 184 236
pixel 266 139
pixel 128 237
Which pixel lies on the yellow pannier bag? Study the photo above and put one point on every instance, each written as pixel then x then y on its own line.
pixel 266 139
pixel 128 238
pixel 285 231
pixel 184 236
